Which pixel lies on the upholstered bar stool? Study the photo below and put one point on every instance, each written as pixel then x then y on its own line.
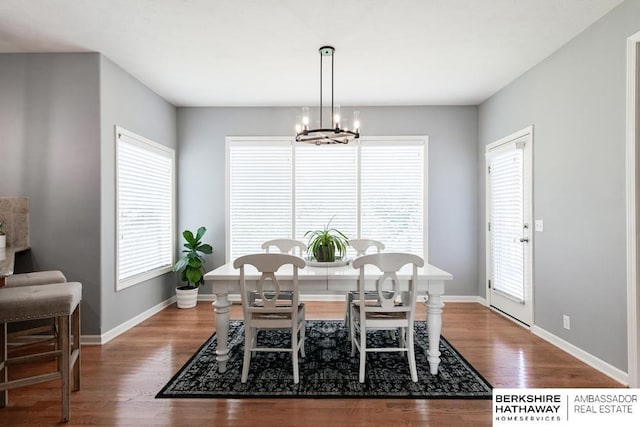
pixel 44 329
pixel 60 301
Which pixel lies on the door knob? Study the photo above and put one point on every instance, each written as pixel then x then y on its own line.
pixel 524 240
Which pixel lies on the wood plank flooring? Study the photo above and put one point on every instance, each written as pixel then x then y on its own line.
pixel 121 378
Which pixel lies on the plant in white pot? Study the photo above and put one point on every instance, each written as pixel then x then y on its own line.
pixel 192 266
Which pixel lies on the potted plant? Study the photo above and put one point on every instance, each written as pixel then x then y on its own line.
pixel 3 237
pixel 325 243
pixel 192 267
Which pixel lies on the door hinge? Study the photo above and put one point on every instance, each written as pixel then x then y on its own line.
pixel 489 284
pixel 488 169
pixel 489 226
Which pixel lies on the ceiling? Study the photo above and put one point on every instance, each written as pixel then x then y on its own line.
pixel 265 52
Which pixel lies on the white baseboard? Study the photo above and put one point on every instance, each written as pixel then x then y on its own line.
pixel 463 298
pixel 124 327
pixel 582 355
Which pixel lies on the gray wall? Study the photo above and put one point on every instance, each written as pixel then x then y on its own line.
pixel 575 100
pixel 50 152
pixel 126 102
pixel 57 113
pixel 453 171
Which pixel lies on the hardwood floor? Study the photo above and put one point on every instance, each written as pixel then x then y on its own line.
pixel 121 378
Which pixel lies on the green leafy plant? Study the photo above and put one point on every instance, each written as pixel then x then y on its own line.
pixel 323 244
pixel 192 262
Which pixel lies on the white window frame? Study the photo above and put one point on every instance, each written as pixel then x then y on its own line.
pixel 157 148
pixel 380 140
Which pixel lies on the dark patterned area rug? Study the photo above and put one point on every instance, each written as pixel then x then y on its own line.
pixel 327 371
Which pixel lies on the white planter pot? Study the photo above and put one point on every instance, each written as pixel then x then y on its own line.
pixel 3 241
pixel 187 298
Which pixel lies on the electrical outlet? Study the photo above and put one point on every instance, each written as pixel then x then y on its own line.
pixel 566 322
pixel 539 225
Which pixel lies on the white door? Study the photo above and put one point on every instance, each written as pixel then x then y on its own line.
pixel 509 226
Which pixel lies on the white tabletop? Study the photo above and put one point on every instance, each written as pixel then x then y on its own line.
pixel 228 272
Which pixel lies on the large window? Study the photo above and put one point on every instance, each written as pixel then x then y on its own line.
pixel 375 188
pixel 145 208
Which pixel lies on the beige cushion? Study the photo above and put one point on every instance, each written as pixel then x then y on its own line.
pixel 39 302
pixel 35 278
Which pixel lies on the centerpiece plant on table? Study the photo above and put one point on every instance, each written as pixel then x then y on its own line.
pixel 325 243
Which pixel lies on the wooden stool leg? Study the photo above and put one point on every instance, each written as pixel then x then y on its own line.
pixel 4 375
pixel 76 349
pixel 64 332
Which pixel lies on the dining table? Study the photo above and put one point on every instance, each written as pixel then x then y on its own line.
pixel 328 280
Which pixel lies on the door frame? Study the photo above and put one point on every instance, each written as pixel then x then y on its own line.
pixel 633 196
pixel 528 167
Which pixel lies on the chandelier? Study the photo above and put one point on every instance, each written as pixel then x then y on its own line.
pixel 335 134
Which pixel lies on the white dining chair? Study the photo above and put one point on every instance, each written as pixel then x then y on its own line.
pixel 361 246
pixel 263 308
pixel 394 309
pixel 286 246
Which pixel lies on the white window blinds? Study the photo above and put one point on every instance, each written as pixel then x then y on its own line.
pixel 506 221
pixel 260 194
pixel 145 200
pixel 392 194
pixel 326 185
pixel 375 188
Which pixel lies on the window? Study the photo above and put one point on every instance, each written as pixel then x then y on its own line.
pixel 392 195
pixel 326 188
pixel 145 208
pixel 260 202
pixel 375 188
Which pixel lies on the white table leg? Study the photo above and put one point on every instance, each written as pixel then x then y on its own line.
pixel 221 309
pixel 434 324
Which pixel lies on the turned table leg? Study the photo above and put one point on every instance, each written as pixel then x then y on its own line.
pixel 434 325
pixel 221 309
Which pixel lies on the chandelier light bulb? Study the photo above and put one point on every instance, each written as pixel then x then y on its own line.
pixel 336 116
pixel 356 121
pixel 298 123
pixel 305 118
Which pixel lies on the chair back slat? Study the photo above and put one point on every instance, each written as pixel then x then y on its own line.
pixel 387 297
